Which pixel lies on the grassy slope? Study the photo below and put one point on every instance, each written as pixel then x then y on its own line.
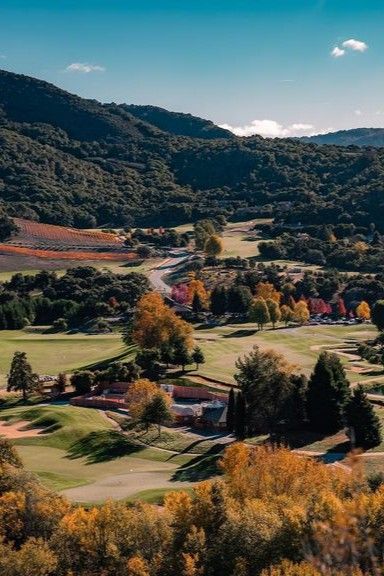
pixel 223 345
pixel 83 447
pixel 53 353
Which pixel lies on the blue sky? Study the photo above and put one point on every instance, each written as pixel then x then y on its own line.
pixel 261 65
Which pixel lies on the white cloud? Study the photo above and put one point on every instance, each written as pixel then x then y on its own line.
pixel 356 45
pixel 84 68
pixel 358 112
pixel 270 129
pixel 337 52
pixel 3 57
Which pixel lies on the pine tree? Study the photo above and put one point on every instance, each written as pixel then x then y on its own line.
pixel 363 421
pixel 21 378
pixel 328 394
pixel 181 355
pixel 231 411
pixel 198 356
pixel 239 420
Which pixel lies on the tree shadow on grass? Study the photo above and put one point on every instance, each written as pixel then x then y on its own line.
pixel 103 364
pixel 240 333
pixel 102 446
pixel 202 467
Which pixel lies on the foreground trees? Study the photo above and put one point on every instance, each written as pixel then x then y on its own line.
pixel 271 513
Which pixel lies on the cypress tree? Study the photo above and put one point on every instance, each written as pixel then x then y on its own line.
pixel 219 300
pixel 197 305
pixel 363 421
pixel 231 411
pixel 239 423
pixel 328 394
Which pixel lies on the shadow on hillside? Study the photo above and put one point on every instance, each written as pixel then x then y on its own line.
pixel 202 467
pixel 102 446
pixel 103 364
pixel 240 333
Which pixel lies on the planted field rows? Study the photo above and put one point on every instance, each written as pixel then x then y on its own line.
pixel 58 242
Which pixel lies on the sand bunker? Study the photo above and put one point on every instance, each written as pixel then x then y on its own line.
pixel 15 430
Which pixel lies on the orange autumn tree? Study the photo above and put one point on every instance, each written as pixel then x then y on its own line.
pixel 363 311
pixel 156 325
pixel 267 291
pixel 139 395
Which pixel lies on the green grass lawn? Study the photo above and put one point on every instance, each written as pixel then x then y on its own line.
pixel 80 448
pixel 54 353
pixel 300 345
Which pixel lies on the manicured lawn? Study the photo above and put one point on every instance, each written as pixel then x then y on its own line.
pixel 82 453
pixel 63 425
pixel 54 353
pixel 301 345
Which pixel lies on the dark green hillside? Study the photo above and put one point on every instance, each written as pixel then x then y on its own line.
pixel 178 123
pixel 66 160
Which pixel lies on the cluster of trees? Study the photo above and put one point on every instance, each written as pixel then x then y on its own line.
pixel 7 226
pixel 273 399
pixel 272 513
pixel 159 238
pixel 350 250
pixel 163 337
pixel 81 295
pixel 263 305
pixel 207 236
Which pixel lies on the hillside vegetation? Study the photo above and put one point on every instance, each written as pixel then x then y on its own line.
pixel 76 162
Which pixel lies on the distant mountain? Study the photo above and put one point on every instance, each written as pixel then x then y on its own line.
pixel 177 123
pixel 75 162
pixel 354 137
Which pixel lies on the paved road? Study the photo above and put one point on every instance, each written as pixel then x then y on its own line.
pixel 157 275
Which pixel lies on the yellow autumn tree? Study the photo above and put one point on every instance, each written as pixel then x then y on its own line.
pixel 363 310
pixel 137 566
pixel 197 287
pixel 213 245
pixel 267 291
pixel 156 324
pixel 301 313
pixel 287 314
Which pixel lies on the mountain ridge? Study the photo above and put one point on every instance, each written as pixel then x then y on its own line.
pixel 76 162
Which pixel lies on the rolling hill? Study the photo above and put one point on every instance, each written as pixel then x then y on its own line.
pixel 354 137
pixel 75 162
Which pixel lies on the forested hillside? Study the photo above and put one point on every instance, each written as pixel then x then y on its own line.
pixel 353 137
pixel 66 160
